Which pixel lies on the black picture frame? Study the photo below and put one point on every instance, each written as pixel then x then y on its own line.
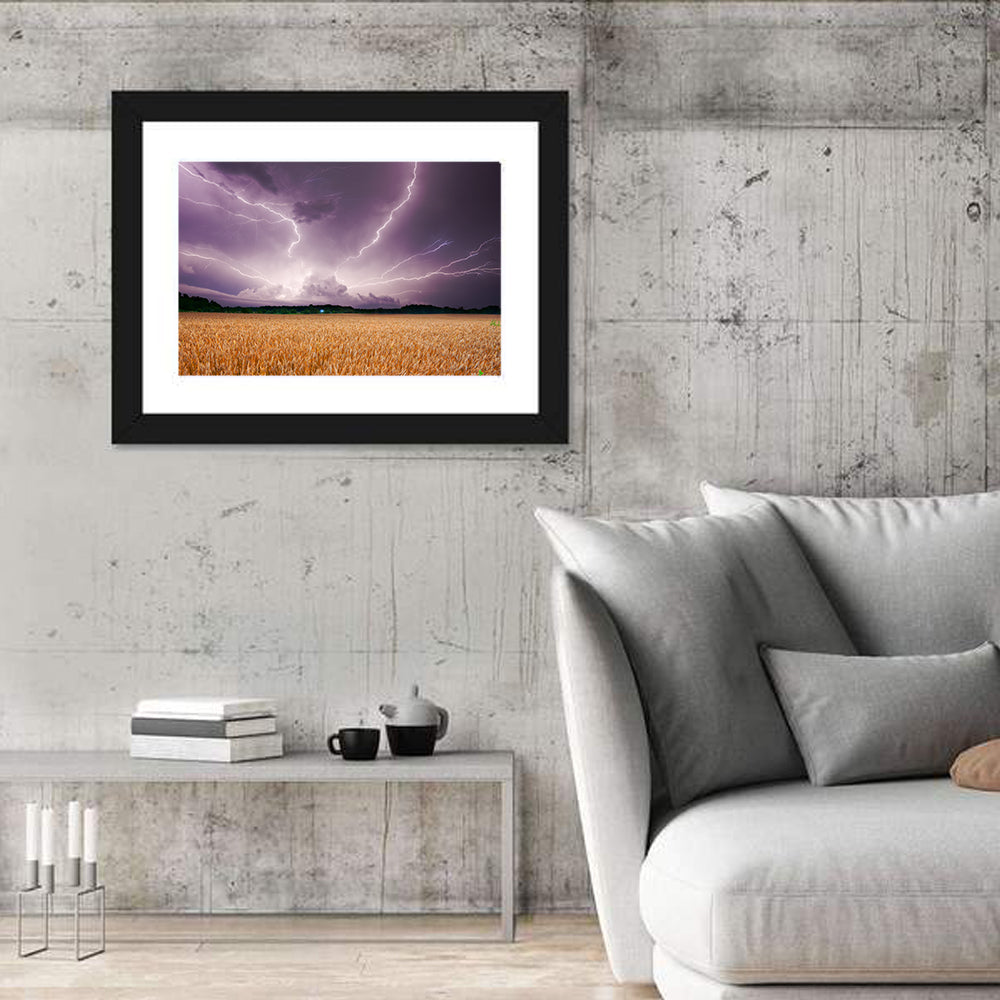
pixel 132 425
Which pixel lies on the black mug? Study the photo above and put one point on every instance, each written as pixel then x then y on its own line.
pixel 354 744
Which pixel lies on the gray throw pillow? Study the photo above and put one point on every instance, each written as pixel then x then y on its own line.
pixel 859 718
pixel 692 600
pixel 906 574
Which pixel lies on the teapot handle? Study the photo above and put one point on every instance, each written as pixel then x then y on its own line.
pixel 443 723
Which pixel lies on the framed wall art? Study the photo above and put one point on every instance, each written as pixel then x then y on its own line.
pixel 355 267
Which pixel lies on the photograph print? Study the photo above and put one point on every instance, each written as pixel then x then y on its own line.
pixel 407 251
pixel 339 268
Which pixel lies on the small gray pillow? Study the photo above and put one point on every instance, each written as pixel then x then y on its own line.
pixel 692 600
pixel 859 718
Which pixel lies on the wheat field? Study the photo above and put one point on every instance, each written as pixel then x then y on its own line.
pixel 338 344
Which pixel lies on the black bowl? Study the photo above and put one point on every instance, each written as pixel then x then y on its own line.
pixel 411 741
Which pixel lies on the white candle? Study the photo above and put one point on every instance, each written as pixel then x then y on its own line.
pixel 90 833
pixel 74 839
pixel 31 831
pixel 48 841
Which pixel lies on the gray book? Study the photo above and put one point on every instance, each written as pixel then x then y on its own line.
pixel 149 725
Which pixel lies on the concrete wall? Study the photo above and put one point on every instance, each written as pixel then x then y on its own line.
pixel 781 261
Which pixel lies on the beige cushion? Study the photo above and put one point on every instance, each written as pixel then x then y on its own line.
pixel 978 767
pixel 857 718
pixel 893 881
pixel 906 575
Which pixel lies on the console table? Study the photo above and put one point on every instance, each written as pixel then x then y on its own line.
pixel 445 766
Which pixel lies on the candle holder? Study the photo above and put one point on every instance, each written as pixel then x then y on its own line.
pixel 47 898
pixel 23 895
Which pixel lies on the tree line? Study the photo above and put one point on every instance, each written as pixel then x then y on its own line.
pixel 198 303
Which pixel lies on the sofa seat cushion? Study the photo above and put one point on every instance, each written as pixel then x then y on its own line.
pixel 789 882
pixel 677 982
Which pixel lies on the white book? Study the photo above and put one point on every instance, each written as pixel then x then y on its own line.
pixel 206 708
pixel 229 751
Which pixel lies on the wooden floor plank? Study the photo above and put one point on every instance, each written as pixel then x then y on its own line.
pixel 253 957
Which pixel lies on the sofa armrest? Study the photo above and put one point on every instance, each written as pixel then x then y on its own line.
pixel 610 754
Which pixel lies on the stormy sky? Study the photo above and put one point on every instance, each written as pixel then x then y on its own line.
pixel 376 234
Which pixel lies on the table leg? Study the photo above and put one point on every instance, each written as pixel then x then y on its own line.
pixel 507 879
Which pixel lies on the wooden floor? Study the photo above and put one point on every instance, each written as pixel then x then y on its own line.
pixel 556 957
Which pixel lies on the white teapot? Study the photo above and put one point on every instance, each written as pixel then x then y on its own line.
pixel 414 725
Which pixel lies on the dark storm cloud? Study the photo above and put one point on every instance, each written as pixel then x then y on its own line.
pixel 378 302
pixel 254 171
pixel 344 232
pixel 323 289
pixel 310 211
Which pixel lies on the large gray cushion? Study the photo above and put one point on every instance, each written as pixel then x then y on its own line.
pixel 894 882
pixel 856 718
pixel 692 599
pixel 905 575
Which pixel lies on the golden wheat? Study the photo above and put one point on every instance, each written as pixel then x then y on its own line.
pixel 338 344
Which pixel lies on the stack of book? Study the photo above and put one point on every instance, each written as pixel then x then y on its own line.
pixel 213 729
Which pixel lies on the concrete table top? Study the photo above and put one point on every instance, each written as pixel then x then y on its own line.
pixel 111 765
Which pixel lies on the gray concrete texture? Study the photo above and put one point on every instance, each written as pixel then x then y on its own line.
pixel 783 222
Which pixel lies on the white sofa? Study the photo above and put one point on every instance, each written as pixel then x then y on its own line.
pixel 883 890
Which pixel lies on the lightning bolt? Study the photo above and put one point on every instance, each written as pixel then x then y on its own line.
pixel 251 204
pixel 487 268
pixel 378 233
pixel 423 253
pixel 474 252
pixel 225 263
pixel 238 215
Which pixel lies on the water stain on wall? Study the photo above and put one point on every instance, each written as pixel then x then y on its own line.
pixel 927 386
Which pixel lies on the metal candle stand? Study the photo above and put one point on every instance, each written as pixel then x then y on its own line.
pixel 45 888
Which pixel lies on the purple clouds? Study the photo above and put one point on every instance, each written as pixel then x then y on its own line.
pixel 375 234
